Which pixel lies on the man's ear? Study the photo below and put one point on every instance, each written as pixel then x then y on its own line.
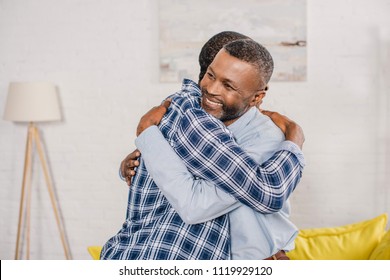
pixel 258 98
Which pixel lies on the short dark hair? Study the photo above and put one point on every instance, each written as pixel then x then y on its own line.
pixel 213 46
pixel 252 52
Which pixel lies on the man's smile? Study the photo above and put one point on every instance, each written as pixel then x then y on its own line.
pixel 211 103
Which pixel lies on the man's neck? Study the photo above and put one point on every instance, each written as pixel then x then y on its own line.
pixel 229 122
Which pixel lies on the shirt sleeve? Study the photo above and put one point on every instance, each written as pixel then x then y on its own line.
pixel 195 200
pixel 210 152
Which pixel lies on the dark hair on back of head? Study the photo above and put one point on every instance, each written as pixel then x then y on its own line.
pixel 213 46
pixel 252 52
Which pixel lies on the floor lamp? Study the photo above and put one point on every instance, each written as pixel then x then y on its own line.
pixel 33 102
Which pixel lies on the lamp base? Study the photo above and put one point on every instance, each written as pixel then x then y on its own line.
pixel 25 203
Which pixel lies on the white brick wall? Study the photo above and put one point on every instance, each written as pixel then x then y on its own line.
pixel 103 56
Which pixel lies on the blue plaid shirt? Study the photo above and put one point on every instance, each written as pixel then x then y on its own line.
pixel 153 229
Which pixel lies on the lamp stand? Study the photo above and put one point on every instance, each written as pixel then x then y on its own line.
pixel 25 203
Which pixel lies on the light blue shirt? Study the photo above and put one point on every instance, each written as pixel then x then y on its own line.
pixel 253 235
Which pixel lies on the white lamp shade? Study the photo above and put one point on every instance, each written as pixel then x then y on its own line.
pixel 32 102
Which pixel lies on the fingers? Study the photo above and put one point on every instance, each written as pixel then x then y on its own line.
pixel 275 116
pixel 128 166
pixel 280 120
pixel 127 163
pixel 270 114
pixel 292 131
pixel 267 113
pixel 166 103
pixel 162 108
pixel 295 134
pixel 130 171
pixel 263 111
pixel 134 154
pixel 153 116
pixel 128 181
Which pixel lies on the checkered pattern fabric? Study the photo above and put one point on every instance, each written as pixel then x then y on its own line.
pixel 153 230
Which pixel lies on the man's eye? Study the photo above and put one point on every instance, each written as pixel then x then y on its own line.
pixel 229 87
pixel 210 75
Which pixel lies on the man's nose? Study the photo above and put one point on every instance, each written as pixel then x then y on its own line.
pixel 214 88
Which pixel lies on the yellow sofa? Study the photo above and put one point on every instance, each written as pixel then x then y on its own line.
pixel 365 240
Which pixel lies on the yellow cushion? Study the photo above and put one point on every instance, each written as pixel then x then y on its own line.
pixel 94 251
pixel 382 251
pixel 350 242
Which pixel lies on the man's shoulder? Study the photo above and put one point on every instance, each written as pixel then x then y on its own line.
pixel 188 88
pixel 260 127
pixel 261 137
pixel 187 97
pixel 264 124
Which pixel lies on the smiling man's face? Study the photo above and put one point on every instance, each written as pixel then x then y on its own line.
pixel 230 87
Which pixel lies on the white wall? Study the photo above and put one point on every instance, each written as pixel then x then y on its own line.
pixel 103 56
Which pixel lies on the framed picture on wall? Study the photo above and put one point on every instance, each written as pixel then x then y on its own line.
pixel 185 25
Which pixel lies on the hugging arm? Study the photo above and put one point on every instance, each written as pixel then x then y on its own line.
pixel 195 200
pixel 209 151
pixel 264 188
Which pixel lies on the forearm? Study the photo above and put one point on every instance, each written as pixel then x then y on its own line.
pixel 195 200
